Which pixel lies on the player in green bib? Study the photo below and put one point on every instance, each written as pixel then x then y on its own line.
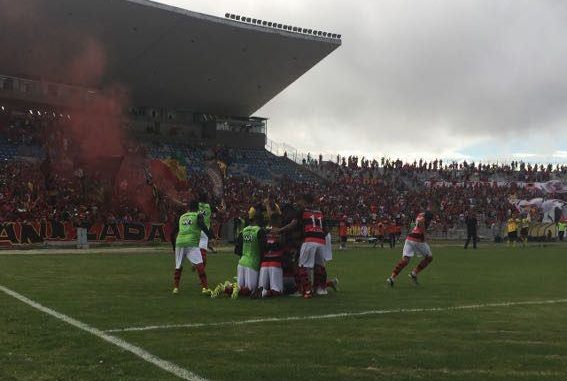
pixel 191 225
pixel 250 245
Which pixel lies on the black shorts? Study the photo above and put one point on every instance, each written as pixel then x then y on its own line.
pixel 343 238
pixel 513 235
pixel 524 232
pixel 380 237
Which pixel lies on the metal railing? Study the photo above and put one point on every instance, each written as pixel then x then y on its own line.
pixel 292 153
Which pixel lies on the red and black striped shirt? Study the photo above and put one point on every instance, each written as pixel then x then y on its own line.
pixel 312 221
pixel 275 251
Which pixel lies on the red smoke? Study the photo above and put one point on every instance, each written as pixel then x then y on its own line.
pixel 94 138
pixel 89 65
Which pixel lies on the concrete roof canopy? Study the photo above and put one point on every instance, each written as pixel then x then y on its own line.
pixel 164 56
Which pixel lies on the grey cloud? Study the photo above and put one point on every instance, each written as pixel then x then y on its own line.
pixel 420 76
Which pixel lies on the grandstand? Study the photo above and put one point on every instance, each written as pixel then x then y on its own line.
pixel 90 126
pixel 117 115
pixel 85 106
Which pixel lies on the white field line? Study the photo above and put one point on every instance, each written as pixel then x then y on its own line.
pixel 141 353
pixel 339 315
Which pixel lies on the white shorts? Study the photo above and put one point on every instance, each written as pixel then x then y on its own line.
pixel 271 278
pixel 412 248
pixel 311 254
pixel 328 250
pixel 204 241
pixel 193 254
pixel 247 278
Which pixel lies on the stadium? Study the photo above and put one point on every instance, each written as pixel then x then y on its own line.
pixel 129 136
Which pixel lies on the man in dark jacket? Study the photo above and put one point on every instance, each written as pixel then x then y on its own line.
pixel 472 224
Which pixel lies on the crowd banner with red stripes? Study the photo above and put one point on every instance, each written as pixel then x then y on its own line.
pixel 371 230
pixel 548 187
pixel 26 233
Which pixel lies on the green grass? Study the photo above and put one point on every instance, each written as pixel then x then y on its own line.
pixel 109 291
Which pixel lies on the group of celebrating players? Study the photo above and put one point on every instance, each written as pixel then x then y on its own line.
pixel 283 251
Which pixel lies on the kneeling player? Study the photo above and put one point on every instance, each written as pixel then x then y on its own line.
pixel 271 273
pixel 414 244
pixel 191 225
pixel 250 246
pixel 320 281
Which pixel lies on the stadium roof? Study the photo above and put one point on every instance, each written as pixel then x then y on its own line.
pixel 164 56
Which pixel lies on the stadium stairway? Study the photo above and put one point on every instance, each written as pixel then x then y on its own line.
pixel 266 167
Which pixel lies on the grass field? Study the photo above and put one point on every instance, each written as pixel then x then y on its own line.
pixel 411 333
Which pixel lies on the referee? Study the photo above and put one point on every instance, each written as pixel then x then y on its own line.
pixel 472 225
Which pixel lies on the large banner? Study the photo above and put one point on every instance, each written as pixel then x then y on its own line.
pixel 549 187
pixel 552 210
pixel 362 231
pixel 370 230
pixel 554 186
pixel 543 231
pixel 20 233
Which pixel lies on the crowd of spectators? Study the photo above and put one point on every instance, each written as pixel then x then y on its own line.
pixel 58 186
pixel 28 192
pixel 361 200
pixel 439 170
pixel 50 182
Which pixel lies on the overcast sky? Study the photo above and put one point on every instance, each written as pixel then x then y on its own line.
pixel 484 79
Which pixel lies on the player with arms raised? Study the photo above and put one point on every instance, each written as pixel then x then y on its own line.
pixel 191 225
pixel 206 211
pixel 415 244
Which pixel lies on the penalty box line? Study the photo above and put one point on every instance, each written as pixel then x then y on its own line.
pixel 339 315
pixel 139 352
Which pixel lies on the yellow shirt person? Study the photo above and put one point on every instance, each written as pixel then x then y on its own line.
pixel 512 228
pixel 512 225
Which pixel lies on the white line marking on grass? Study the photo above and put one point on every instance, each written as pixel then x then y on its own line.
pixel 141 353
pixel 338 315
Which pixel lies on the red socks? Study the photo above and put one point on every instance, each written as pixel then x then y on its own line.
pixel 303 285
pixel 423 264
pixel 200 270
pixel 202 275
pixel 228 290
pixel 177 277
pixel 204 255
pixel 400 266
pixel 405 261
pixel 319 277
pixel 244 291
